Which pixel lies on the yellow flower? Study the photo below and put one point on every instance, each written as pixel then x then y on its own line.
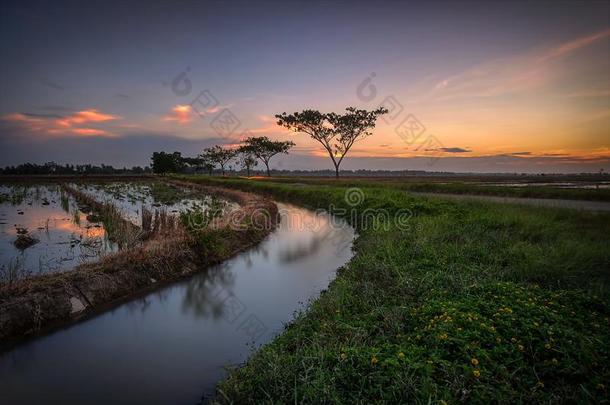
pixel 555 361
pixel 374 360
pixel 476 373
pixel 601 386
pixel 343 356
pixel 442 336
pixel 547 346
pixel 513 340
pixel 498 340
pixel 474 361
pixel 401 355
pixel 520 347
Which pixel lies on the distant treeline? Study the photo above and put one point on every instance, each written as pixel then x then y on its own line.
pixel 191 165
pixel 54 168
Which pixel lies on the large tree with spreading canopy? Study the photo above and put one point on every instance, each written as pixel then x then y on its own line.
pixel 337 133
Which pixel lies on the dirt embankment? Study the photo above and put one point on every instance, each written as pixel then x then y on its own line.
pixel 39 304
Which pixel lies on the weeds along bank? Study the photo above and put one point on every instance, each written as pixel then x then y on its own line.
pixel 476 302
pixel 152 255
pixel 120 230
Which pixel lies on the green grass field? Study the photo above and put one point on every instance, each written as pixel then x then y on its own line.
pixel 450 185
pixel 470 301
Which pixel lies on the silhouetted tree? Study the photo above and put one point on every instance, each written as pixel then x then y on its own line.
pixel 208 167
pixel 218 155
pixel 337 133
pixel 247 158
pixel 264 148
pixel 163 162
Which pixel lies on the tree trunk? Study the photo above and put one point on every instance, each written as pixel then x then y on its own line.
pixel 248 170
pixel 268 172
pixel 336 171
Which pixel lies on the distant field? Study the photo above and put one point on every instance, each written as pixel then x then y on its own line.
pixel 570 188
pixel 469 301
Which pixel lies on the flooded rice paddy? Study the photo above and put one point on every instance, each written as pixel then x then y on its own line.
pixel 43 230
pixel 132 198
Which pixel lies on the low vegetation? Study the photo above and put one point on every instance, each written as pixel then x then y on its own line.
pixel 530 191
pixel 472 301
pixel 450 185
pixel 120 230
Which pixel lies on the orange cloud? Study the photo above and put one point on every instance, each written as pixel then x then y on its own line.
pixel 181 113
pixel 185 113
pixel 91 132
pixel 85 116
pixel 70 124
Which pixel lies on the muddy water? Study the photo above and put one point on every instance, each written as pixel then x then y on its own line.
pixel 171 346
pixel 131 198
pixel 65 236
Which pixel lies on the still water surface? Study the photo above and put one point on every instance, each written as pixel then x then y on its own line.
pixel 66 236
pixel 171 346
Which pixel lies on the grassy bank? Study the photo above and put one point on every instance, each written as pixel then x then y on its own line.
pixel 532 191
pixel 451 185
pixel 471 302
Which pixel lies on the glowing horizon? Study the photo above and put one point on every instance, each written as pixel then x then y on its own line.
pixel 541 95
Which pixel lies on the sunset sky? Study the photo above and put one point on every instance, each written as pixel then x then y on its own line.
pixel 511 86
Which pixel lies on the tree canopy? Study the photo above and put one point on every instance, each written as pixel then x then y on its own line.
pixel 247 158
pixel 218 155
pixel 337 133
pixel 163 162
pixel 264 148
